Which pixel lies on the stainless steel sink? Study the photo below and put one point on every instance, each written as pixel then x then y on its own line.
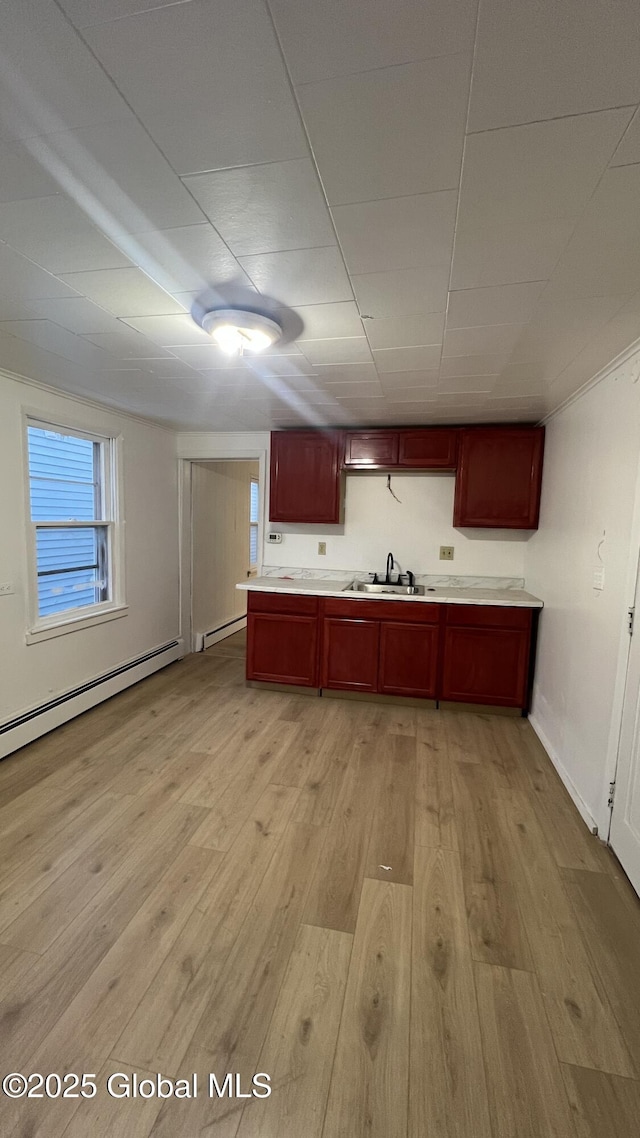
pixel 398 590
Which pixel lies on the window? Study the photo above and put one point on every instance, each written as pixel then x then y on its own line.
pixel 253 525
pixel 72 516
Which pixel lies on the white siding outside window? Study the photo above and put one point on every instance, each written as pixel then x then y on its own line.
pixel 254 512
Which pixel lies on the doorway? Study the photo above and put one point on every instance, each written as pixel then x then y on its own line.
pixel 225 497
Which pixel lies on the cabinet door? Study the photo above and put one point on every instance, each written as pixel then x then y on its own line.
pixel 409 659
pixel 306 479
pixel 499 476
pixel 368 449
pixel 282 649
pixel 350 654
pixel 428 449
pixel 485 665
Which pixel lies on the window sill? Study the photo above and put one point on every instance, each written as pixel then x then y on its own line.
pixel 74 624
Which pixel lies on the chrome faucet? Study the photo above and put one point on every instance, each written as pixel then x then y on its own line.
pixel 390 565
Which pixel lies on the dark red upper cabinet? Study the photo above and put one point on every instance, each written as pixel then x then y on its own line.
pixel 306 479
pixel 370 449
pixel 499 477
pixel 430 448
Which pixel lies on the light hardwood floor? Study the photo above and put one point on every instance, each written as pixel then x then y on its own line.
pixel 396 913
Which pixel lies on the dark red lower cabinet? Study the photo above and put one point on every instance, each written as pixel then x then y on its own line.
pixel 282 649
pixel 485 665
pixel 350 654
pixel 409 659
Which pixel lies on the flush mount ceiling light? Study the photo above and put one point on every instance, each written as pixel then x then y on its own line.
pixel 236 330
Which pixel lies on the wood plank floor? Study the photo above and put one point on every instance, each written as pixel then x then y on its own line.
pixel 396 913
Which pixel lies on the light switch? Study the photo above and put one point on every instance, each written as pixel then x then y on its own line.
pixel 598 578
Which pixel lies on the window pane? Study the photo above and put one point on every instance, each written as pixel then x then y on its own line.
pixel 253 508
pixel 71 566
pixel 66 591
pixel 253 545
pixel 64 477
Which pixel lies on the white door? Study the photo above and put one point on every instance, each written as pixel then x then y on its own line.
pixel 625 819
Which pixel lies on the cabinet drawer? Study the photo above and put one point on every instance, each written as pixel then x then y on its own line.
pixel 282 603
pixel 487 616
pixel 415 611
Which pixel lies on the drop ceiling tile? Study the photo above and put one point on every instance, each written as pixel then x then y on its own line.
pixel 174 64
pixel 125 344
pixel 54 233
pixel 120 169
pixel 346 350
pixel 543 60
pixel 472 365
pixel 371 388
pixel 562 326
pixel 628 150
pixel 268 365
pixel 84 13
pixel 394 380
pixel 76 314
pixel 407 359
pixel 189 257
pixel 502 304
pixel 57 341
pixel 170 331
pixel 402 292
pixel 399 233
pixel 406 331
pixel 21 175
pixel 346 373
pixel 325 38
pixel 326 321
pixel 414 115
pixel 603 257
pixel 124 292
pixel 523 189
pixel 300 276
pixel 489 339
pixel 469 383
pixel 170 368
pixel 37 94
pixel 265 208
pixel 20 279
pixel 415 395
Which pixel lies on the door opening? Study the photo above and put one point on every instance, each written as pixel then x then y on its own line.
pixel 225 502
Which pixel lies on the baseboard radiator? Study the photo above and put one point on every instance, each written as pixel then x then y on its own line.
pixel 30 725
pixel 204 640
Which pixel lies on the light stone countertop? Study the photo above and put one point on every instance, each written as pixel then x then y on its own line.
pixel 506 598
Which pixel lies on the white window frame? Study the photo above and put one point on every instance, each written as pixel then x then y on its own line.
pixel 253 566
pixel 72 620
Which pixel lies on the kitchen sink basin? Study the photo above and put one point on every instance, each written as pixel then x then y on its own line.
pixel 398 590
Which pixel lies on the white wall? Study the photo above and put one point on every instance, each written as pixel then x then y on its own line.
pixel 588 490
pixel 34 674
pixel 220 520
pixel 413 529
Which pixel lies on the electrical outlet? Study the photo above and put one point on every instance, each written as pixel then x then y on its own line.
pixel 6 590
pixel 322 548
pixel 446 553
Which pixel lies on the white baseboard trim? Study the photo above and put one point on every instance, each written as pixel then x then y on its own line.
pixel 578 801
pixel 30 725
pixel 221 633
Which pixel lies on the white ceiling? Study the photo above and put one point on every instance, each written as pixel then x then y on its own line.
pixel 448 198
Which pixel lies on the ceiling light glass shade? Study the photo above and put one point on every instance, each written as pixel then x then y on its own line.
pixel 236 331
